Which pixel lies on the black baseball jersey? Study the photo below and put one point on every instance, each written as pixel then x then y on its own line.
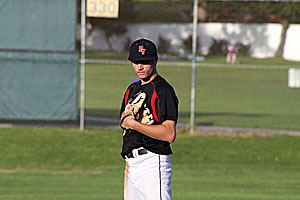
pixel 162 102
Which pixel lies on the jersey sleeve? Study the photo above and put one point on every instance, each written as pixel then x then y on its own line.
pixel 125 98
pixel 168 105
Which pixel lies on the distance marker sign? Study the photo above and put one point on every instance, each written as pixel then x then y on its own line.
pixel 103 8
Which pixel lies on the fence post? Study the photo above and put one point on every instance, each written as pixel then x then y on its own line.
pixel 195 23
pixel 82 63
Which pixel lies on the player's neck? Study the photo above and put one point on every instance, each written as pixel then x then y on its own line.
pixel 148 79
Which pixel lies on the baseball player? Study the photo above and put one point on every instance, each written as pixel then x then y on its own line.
pixel 148 115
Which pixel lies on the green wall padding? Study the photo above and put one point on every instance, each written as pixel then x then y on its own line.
pixel 38 24
pixel 38 86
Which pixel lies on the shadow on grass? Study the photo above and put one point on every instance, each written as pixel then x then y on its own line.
pixel 185 116
pixel 110 118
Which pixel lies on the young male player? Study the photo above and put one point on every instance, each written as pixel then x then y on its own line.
pixel 148 114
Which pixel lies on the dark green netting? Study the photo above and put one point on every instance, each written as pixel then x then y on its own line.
pixel 38 86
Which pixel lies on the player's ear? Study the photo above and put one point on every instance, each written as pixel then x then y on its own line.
pixel 154 66
pixel 154 62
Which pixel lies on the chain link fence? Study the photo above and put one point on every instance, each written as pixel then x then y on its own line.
pixel 244 52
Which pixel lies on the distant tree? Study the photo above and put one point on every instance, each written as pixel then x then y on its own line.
pixel 256 12
pixel 127 44
pixel 117 26
pixel 242 49
pixel 246 12
pixel 202 12
pixel 188 43
pixel 186 17
pixel 163 45
pixel 274 12
pixel 218 48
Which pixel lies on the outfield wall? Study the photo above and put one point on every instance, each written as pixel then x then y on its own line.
pixel 38 60
pixel 263 38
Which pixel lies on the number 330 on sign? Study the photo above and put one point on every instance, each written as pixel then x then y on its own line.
pixel 103 8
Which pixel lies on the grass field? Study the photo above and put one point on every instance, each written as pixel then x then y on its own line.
pixel 39 163
pixel 225 96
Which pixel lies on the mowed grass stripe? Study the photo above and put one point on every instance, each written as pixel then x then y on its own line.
pixel 40 163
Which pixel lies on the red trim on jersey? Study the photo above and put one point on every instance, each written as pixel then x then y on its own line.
pixel 154 96
pixel 127 94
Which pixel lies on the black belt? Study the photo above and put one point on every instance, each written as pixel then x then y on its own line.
pixel 140 152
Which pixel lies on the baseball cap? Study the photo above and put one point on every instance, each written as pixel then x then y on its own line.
pixel 142 50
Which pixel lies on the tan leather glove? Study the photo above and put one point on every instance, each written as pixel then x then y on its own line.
pixel 133 107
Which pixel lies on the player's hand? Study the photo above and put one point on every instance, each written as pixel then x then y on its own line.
pixel 133 108
pixel 128 122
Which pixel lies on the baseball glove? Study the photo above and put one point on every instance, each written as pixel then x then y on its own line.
pixel 144 116
pixel 133 107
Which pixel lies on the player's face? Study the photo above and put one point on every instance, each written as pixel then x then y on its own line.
pixel 144 69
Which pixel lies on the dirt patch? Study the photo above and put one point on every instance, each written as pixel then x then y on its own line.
pixel 72 171
pixel 7 171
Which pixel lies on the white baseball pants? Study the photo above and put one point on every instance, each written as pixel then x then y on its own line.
pixel 148 177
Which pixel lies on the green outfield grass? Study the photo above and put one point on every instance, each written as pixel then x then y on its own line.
pixel 40 163
pixel 224 96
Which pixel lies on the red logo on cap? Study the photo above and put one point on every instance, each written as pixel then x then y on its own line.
pixel 142 50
